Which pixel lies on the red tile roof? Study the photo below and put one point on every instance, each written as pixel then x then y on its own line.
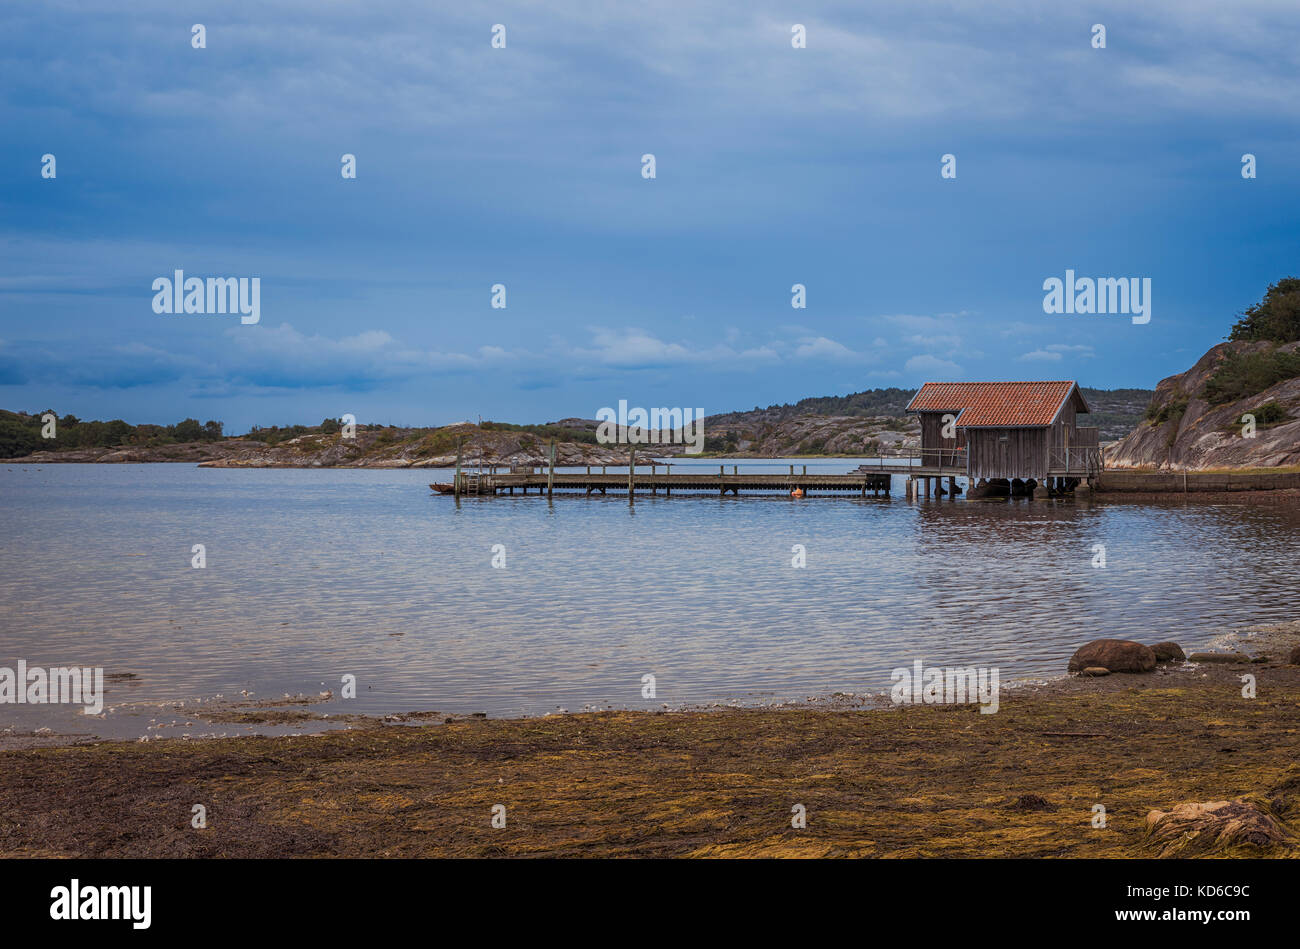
pixel 997 404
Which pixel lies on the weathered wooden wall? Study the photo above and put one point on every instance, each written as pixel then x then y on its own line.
pixel 1022 455
pixel 932 432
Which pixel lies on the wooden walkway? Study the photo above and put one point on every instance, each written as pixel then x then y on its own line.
pixel 728 480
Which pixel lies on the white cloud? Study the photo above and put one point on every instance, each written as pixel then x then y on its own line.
pixel 933 365
pixel 820 347
pixel 1078 350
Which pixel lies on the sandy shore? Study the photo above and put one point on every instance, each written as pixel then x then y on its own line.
pixel 909 781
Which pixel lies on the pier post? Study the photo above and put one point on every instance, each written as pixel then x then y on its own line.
pixel 550 471
pixel 654 488
pixel 455 481
pixel 631 469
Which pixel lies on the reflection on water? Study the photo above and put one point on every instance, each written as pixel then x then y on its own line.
pixel 313 574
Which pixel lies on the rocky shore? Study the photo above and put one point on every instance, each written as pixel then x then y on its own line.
pixel 1174 761
pixel 386 448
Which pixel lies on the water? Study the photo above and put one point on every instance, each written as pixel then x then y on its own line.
pixel 314 574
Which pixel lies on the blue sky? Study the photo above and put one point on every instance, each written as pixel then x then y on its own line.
pixel 522 166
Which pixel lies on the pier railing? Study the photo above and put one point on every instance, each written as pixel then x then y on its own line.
pixel 926 457
pixel 1077 451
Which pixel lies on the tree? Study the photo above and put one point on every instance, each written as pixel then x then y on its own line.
pixel 329 426
pixel 1275 318
pixel 187 431
pixel 212 430
pixel 18 439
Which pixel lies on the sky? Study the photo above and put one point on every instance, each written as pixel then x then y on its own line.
pixel 522 166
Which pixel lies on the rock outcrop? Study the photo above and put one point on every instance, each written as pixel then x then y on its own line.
pixel 1185 431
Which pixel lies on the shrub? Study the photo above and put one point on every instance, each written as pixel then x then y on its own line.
pixel 1240 375
pixel 1171 411
pixel 1270 413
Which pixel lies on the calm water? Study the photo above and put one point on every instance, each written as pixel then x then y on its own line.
pixel 312 574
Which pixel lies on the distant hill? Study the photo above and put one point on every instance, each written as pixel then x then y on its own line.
pixel 859 424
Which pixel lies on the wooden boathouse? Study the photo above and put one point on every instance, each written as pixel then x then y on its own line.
pixel 1005 437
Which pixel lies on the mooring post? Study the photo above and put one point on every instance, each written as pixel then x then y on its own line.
pixel 455 481
pixel 550 471
pixel 631 468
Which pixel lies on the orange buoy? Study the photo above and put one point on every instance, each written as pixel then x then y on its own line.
pixel 797 493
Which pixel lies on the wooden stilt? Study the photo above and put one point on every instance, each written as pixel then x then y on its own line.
pixel 456 480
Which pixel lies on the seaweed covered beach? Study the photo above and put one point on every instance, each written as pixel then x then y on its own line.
pixel 916 781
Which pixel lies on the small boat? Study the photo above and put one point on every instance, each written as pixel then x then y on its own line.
pixel 444 488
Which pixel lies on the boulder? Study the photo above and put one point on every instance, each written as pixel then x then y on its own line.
pixel 1095 671
pixel 1168 652
pixel 1115 655
pixel 1294 658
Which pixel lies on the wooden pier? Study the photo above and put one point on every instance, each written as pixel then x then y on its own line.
pixel 728 479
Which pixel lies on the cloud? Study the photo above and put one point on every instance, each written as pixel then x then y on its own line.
pixel 938 342
pixel 1082 351
pixel 1040 355
pixel 820 347
pixel 932 364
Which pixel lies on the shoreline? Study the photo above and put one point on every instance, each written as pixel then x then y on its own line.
pixel 922 780
pixel 275 716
